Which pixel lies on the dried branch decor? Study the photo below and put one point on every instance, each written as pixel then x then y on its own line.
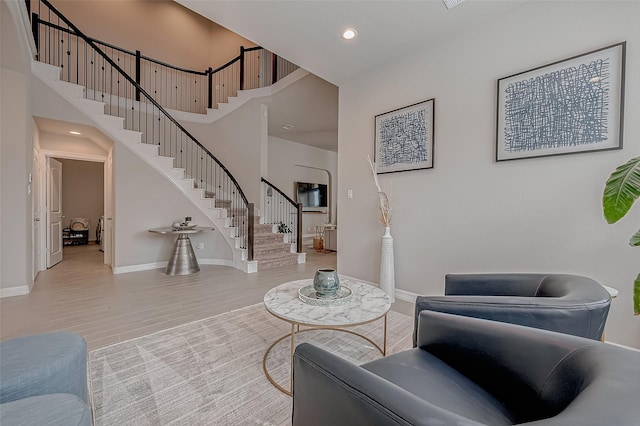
pixel 385 207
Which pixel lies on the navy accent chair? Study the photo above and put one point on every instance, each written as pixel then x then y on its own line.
pixel 565 303
pixel 469 371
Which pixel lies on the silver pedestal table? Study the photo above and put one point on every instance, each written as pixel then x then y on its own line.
pixel 183 260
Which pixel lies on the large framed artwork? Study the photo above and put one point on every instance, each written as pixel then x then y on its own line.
pixel 404 138
pixel 574 105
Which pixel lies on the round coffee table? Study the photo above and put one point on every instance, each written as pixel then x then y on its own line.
pixel 366 304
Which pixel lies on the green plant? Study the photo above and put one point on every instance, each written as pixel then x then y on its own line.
pixel 283 228
pixel 620 192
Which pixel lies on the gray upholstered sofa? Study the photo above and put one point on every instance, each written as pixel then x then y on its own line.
pixel 43 381
pixel 469 371
pixel 565 303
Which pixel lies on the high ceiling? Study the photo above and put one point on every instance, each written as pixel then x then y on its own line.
pixel 307 32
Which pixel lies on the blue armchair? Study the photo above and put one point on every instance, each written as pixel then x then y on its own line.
pixel 43 380
pixel 570 304
pixel 470 371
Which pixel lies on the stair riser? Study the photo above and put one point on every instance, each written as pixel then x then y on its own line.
pixel 263 229
pixel 267 239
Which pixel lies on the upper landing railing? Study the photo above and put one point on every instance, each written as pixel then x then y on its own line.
pixel 171 86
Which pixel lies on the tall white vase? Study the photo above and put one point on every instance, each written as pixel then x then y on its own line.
pixel 387 275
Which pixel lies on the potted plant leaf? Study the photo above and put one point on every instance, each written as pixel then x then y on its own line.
pixel 620 192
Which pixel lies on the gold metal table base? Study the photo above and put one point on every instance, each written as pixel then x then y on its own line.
pixel 295 329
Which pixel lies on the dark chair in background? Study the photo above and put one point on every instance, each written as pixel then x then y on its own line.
pixel 570 304
pixel 469 371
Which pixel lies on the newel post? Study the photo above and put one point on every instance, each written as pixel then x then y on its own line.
pixel 35 21
pixel 241 67
pixel 251 218
pixel 299 230
pixel 138 60
pixel 210 94
pixel 274 68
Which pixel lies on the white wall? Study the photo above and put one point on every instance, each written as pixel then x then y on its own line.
pixel 16 156
pixel 469 213
pixel 290 162
pixel 16 153
pixel 237 142
pixel 145 199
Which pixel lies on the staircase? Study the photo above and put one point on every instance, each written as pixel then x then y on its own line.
pixel 105 94
pixel 216 209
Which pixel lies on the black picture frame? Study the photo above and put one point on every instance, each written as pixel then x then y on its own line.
pixel 570 106
pixel 404 138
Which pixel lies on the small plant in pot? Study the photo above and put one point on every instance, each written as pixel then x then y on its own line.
pixel 283 228
pixel 620 192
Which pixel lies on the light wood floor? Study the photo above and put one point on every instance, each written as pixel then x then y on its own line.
pixel 82 295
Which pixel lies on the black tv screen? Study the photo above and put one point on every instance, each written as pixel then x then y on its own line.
pixel 311 195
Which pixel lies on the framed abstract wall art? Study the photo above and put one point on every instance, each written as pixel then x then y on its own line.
pixel 404 138
pixel 570 106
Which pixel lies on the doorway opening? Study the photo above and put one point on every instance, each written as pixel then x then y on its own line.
pixel 77 201
pixel 82 156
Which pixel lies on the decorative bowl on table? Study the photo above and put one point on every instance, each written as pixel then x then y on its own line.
pixel 326 283
pixel 183 226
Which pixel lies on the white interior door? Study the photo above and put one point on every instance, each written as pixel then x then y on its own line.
pixel 34 186
pixel 54 212
pixel 108 245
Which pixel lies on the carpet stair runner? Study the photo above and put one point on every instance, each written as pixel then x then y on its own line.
pixel 270 249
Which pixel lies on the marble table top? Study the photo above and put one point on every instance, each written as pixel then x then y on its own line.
pixel 367 303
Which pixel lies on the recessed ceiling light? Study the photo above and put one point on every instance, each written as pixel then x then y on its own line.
pixel 73 132
pixel 288 126
pixel 349 33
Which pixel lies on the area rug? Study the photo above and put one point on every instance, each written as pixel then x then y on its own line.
pixel 209 372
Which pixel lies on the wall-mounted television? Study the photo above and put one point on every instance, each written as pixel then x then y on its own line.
pixel 312 196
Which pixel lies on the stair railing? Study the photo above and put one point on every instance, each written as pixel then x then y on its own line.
pixel 183 89
pixel 62 44
pixel 281 210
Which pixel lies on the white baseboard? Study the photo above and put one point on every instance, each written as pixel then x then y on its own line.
pixel 403 295
pixel 137 268
pixel 159 265
pixel 20 290
pixel 407 296
pixel 218 262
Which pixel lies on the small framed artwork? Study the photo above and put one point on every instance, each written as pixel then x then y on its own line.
pixel 574 105
pixel 404 138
